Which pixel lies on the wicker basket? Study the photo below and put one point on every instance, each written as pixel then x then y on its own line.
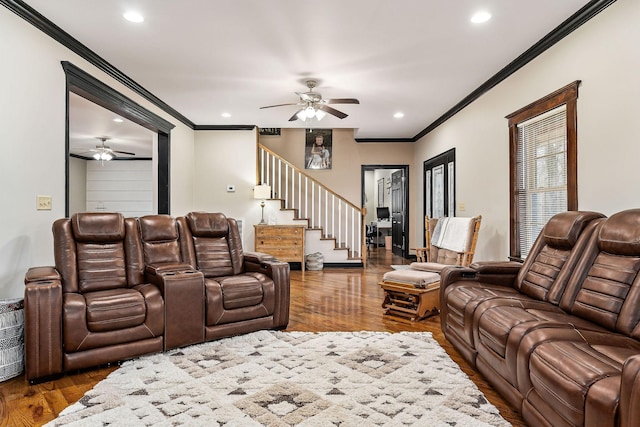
pixel 315 261
pixel 11 338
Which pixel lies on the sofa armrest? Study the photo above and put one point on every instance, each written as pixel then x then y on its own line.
pixel 497 267
pixel 451 274
pixel 39 274
pixel 42 323
pixel 501 273
pixel 630 392
pixel 168 267
pixel 258 257
pixel 154 273
pixel 280 273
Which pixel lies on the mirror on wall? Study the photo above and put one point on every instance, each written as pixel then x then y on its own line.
pixel 111 162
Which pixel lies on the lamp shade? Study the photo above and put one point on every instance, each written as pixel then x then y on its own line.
pixel 262 192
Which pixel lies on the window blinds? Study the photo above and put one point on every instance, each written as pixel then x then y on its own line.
pixel 542 173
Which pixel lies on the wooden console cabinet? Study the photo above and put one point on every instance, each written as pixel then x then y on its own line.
pixel 285 242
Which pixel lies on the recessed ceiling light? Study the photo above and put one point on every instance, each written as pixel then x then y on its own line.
pixel 398 115
pixel 480 17
pixel 118 120
pixel 132 16
pixel 226 115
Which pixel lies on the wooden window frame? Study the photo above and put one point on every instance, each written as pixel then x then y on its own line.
pixel 567 95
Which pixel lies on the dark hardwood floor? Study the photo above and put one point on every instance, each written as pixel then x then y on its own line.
pixel 328 300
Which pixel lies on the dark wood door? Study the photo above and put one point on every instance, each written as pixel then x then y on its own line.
pixel 439 185
pixel 398 209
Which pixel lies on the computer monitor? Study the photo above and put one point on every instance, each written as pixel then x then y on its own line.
pixel 382 214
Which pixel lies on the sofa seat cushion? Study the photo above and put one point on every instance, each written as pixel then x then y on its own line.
pixel 563 372
pixel 240 297
pixel 114 309
pixel 496 323
pixel 503 323
pixel 462 299
pixel 512 319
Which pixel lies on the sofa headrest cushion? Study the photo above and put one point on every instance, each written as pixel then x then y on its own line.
pixel 206 224
pixel 620 233
pixel 563 229
pixel 158 228
pixel 98 227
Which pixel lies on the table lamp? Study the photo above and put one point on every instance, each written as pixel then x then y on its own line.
pixel 263 192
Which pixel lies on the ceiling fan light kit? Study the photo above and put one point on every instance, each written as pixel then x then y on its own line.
pixel 309 113
pixel 312 105
pixel 104 153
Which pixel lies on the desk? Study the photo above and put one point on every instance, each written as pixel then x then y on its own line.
pixel 384 225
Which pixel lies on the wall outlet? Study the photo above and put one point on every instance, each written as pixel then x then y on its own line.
pixel 43 203
pixel 231 188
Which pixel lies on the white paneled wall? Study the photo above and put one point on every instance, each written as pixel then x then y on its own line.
pixel 120 186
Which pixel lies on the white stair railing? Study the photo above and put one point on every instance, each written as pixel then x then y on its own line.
pixel 325 209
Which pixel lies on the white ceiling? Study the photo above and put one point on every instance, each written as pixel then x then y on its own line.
pixel 88 122
pixel 204 57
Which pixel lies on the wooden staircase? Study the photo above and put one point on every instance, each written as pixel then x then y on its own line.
pixel 335 227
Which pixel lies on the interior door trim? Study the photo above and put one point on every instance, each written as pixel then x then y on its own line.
pixel 88 87
pixel 405 168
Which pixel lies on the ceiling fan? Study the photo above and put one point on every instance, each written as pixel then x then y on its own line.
pixel 312 105
pixel 104 153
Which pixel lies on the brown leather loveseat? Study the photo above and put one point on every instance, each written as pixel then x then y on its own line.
pixel 123 287
pixel 559 335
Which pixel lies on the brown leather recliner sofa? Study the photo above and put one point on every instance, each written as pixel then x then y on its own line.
pixel 558 335
pixel 123 287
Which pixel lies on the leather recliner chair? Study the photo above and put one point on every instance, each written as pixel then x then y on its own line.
pixel 244 291
pixel 94 306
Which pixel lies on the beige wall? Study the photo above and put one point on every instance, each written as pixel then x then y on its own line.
pixel 347 157
pixel 344 177
pixel 224 158
pixel 32 108
pixel 605 55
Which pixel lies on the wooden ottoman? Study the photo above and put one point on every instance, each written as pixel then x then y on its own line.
pixel 411 294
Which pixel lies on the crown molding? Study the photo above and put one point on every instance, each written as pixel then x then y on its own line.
pixel 224 127
pixel 385 139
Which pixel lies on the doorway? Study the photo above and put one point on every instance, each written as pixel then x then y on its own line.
pixel 439 185
pixel 385 188
pixel 95 91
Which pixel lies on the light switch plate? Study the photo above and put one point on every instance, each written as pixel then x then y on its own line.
pixel 43 203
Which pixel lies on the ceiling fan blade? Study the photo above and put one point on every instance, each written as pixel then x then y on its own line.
pixel 304 96
pixel 124 152
pixel 277 105
pixel 295 116
pixel 84 153
pixel 332 111
pixel 342 101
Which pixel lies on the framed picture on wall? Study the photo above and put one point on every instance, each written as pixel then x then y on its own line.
pixel 270 131
pixel 318 151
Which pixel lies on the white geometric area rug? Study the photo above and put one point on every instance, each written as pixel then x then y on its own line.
pixel 270 378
